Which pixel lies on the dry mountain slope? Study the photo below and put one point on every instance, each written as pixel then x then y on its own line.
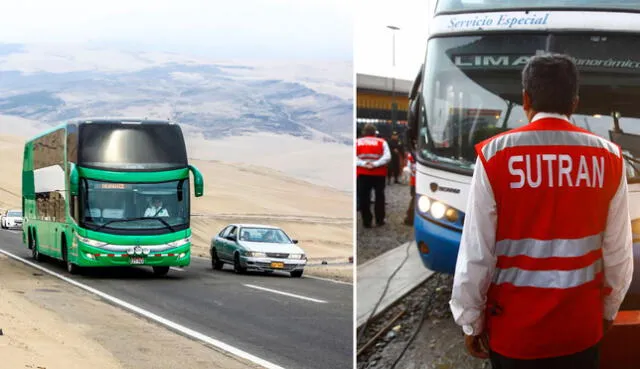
pixel 319 217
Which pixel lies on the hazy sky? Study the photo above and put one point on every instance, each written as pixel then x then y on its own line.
pixel 373 41
pixel 282 29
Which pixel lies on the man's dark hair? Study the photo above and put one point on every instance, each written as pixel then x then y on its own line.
pixel 551 81
pixel 369 130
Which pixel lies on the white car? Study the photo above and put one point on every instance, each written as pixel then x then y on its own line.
pixel 12 219
pixel 257 247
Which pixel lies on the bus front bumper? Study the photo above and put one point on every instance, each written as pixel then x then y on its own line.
pixel 89 256
pixel 438 246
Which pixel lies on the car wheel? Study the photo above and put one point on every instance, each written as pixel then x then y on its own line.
pixel 236 265
pixel 216 263
pixel 160 270
pixel 296 273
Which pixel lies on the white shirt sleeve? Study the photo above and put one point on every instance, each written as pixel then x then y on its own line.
pixel 149 212
pixel 386 156
pixel 476 257
pixel 617 249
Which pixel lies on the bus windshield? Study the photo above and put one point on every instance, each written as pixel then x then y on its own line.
pixel 134 207
pixel 131 146
pixel 467 6
pixel 472 90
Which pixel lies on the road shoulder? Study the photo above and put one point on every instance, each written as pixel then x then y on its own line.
pixel 48 323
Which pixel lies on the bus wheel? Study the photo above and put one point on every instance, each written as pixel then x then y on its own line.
pixel 35 254
pixel 71 267
pixel 160 270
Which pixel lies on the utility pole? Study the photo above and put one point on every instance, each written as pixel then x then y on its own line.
pixel 394 103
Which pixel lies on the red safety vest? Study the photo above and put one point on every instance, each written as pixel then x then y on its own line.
pixel 553 183
pixel 412 167
pixel 370 148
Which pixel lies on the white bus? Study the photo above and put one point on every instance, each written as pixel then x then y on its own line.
pixel 471 90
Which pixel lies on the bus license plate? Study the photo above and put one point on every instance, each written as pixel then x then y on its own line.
pixel 277 265
pixel 137 260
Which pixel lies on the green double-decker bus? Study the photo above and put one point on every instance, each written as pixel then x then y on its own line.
pixel 109 192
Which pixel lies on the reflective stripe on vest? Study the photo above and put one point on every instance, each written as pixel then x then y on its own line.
pixel 549 278
pixel 371 149
pixel 553 183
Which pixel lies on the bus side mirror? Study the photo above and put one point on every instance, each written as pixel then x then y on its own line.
pixel 198 182
pixel 73 179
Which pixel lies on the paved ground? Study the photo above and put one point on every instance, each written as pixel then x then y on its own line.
pixel 404 263
pixel 290 331
pixel 376 241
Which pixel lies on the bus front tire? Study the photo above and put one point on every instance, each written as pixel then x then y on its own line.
pixel 296 273
pixel 160 270
pixel 71 267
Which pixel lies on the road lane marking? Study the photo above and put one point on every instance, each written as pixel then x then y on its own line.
pixel 286 293
pixel 177 269
pixel 328 280
pixel 149 315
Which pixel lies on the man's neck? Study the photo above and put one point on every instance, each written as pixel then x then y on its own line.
pixel 542 115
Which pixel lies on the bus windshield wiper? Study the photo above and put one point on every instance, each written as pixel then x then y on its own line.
pixel 164 222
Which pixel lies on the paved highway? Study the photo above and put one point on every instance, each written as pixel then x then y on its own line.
pixel 294 323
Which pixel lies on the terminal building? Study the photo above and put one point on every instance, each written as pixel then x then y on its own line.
pixel 374 103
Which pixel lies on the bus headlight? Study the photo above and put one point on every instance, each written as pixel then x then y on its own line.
pixel 424 204
pixel 452 215
pixel 438 210
pixel 90 242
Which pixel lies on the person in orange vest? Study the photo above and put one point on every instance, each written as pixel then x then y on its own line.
pixel 546 254
pixel 373 155
pixel 411 164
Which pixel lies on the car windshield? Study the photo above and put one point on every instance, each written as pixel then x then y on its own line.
pixel 472 91
pixel 501 5
pixel 14 214
pixel 267 235
pixel 135 207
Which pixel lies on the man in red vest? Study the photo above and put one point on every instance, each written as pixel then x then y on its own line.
pixel 546 253
pixel 373 155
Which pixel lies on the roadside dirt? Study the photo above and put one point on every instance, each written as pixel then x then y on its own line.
pixel 48 324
